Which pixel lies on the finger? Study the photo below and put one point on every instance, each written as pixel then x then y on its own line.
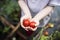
pixel 33 29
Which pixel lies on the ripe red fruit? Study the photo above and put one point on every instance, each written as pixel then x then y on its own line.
pixel 32 24
pixel 46 33
pixel 26 22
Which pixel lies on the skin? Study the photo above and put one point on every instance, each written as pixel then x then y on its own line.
pixel 37 18
pixel 25 8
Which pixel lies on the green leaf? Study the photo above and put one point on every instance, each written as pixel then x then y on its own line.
pixel 6 29
pixel 44 37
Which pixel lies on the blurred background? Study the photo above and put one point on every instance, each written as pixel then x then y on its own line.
pixel 10 10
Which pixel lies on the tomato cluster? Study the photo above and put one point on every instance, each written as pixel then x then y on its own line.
pixel 27 23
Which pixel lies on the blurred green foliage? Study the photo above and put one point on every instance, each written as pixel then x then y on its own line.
pixel 10 10
pixel 6 29
pixel 56 35
pixel 8 7
pixel 44 37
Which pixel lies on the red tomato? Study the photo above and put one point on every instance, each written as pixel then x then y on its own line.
pixel 32 24
pixel 46 33
pixel 26 22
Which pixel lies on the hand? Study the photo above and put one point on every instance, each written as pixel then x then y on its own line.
pixel 29 24
pixel 25 21
pixel 34 24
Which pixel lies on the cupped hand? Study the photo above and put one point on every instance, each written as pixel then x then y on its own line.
pixel 34 24
pixel 28 23
pixel 25 21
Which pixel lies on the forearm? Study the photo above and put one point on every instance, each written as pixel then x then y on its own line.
pixel 43 13
pixel 24 7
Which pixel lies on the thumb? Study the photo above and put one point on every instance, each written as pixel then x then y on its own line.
pixel 37 22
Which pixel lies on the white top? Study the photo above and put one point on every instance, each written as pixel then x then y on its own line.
pixel 37 5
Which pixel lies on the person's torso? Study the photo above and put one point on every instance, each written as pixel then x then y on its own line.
pixel 36 5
